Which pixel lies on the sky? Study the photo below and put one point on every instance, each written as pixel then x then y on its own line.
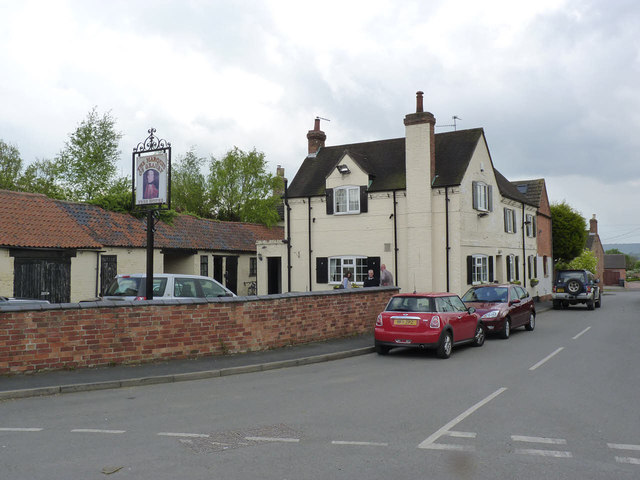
pixel 555 84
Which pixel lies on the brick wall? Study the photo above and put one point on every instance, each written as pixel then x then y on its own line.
pixel 86 335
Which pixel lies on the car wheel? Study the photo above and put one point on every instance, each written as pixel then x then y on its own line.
pixel 557 304
pixel 532 322
pixel 599 301
pixel 506 331
pixel 382 349
pixel 478 339
pixel 446 345
pixel 590 304
pixel 574 286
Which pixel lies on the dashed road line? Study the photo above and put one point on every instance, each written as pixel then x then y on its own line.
pixel 18 429
pixel 183 435
pixel 546 359
pixel 272 439
pixel 364 444
pixel 539 452
pixel 429 442
pixel 543 453
pixel 625 446
pixel 581 333
pixel 96 430
pixel 551 441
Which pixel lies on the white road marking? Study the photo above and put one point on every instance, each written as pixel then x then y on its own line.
pixel 545 359
pixel 95 430
pixel 367 444
pixel 622 446
pixel 444 430
pixel 543 453
pixel 462 434
pixel 272 439
pixel 6 429
pixel 551 441
pixel 448 446
pixel 582 332
pixel 629 460
pixel 183 435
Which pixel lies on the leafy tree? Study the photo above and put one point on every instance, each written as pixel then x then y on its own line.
pixel 240 188
pixel 42 177
pixel 585 261
pixel 117 198
pixel 86 166
pixel 189 186
pixel 569 232
pixel 10 166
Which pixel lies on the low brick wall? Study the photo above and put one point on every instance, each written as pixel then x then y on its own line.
pixel 91 334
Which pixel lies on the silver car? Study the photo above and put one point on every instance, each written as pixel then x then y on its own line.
pixel 165 285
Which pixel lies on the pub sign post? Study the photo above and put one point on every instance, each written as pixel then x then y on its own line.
pixel 151 188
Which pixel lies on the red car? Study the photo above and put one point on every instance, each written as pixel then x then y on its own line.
pixel 502 307
pixel 427 320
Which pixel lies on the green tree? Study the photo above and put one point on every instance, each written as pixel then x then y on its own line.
pixel 42 176
pixel 189 186
pixel 569 232
pixel 585 261
pixel 240 189
pixel 10 166
pixel 86 166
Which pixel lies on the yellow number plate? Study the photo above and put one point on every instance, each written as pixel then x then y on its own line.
pixel 560 290
pixel 405 321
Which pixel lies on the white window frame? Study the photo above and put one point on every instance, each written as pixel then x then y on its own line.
pixel 351 195
pixel 479 269
pixel 509 220
pixel 354 263
pixel 481 195
pixel 511 268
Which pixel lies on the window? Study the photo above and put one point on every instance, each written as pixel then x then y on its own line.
pixel 347 200
pixel 482 197
pixel 533 267
pixel 530 225
pixel 212 289
pixel 204 265
pixel 513 273
pixel 253 266
pixel 545 266
pixel 479 269
pixel 339 266
pixel 509 220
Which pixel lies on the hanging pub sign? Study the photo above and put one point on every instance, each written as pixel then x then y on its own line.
pixel 151 172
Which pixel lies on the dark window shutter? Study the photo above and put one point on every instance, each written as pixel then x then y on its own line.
pixel 517 268
pixel 329 199
pixel 322 270
pixel 469 270
pixel 506 220
pixel 534 222
pixel 373 263
pixel 490 197
pixel 491 269
pixel 364 197
pixel 474 189
pixel 535 266
pixel 515 225
pixel 509 263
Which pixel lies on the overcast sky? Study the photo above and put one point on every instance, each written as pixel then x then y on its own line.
pixel 554 83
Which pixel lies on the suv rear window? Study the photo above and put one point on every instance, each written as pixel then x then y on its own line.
pixel 565 275
pixel 134 286
pixel 410 304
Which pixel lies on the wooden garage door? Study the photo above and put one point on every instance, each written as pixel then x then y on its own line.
pixel 43 279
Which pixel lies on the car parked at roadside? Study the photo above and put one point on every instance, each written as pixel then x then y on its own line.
pixel 502 307
pixel 20 301
pixel 576 286
pixel 427 320
pixel 165 285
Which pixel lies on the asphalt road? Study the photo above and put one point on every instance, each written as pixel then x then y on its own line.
pixel 560 402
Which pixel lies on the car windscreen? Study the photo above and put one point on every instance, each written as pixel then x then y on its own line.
pixel 213 289
pixel 487 295
pixel 410 304
pixel 124 287
pixel 564 276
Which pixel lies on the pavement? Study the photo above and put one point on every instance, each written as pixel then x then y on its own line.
pixel 119 376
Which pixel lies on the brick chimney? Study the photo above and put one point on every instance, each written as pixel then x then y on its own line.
pixel 423 119
pixel 593 225
pixel 316 138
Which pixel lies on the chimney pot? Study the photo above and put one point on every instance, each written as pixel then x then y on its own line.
pixel 419 105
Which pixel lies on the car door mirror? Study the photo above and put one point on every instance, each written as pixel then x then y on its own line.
pixel 471 310
pixel 515 301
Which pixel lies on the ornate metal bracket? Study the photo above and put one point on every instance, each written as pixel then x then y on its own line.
pixel 151 143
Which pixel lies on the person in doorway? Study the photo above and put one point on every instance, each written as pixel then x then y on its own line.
pixel 371 280
pixel 151 184
pixel 346 280
pixel 386 279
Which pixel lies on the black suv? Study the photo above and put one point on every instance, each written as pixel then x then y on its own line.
pixel 576 286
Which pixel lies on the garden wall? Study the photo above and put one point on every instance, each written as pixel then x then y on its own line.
pixel 109 333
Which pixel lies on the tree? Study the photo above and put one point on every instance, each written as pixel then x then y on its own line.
pixel 585 261
pixel 569 232
pixel 42 177
pixel 240 189
pixel 189 186
pixel 10 166
pixel 86 166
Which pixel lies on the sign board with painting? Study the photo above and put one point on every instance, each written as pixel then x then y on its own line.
pixel 151 173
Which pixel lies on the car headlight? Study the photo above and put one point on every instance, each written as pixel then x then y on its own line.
pixel 491 314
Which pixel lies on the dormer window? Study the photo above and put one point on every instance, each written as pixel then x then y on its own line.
pixel 346 200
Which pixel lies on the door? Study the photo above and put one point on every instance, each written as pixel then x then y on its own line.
pixel 108 271
pixel 218 272
pixel 274 275
pixel 231 274
pixel 43 279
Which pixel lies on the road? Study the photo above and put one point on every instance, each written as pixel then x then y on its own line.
pixel 560 402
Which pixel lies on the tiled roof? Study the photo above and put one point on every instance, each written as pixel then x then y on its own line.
pixel 532 189
pixel 385 162
pixel 35 221
pixel 29 220
pixel 615 260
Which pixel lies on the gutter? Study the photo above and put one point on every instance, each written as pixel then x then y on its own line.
pixel 446 224
pixel 395 236
pixel 288 239
pixel 310 250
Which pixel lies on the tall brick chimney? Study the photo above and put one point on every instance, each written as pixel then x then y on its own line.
pixel 316 138
pixel 593 225
pixel 422 118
